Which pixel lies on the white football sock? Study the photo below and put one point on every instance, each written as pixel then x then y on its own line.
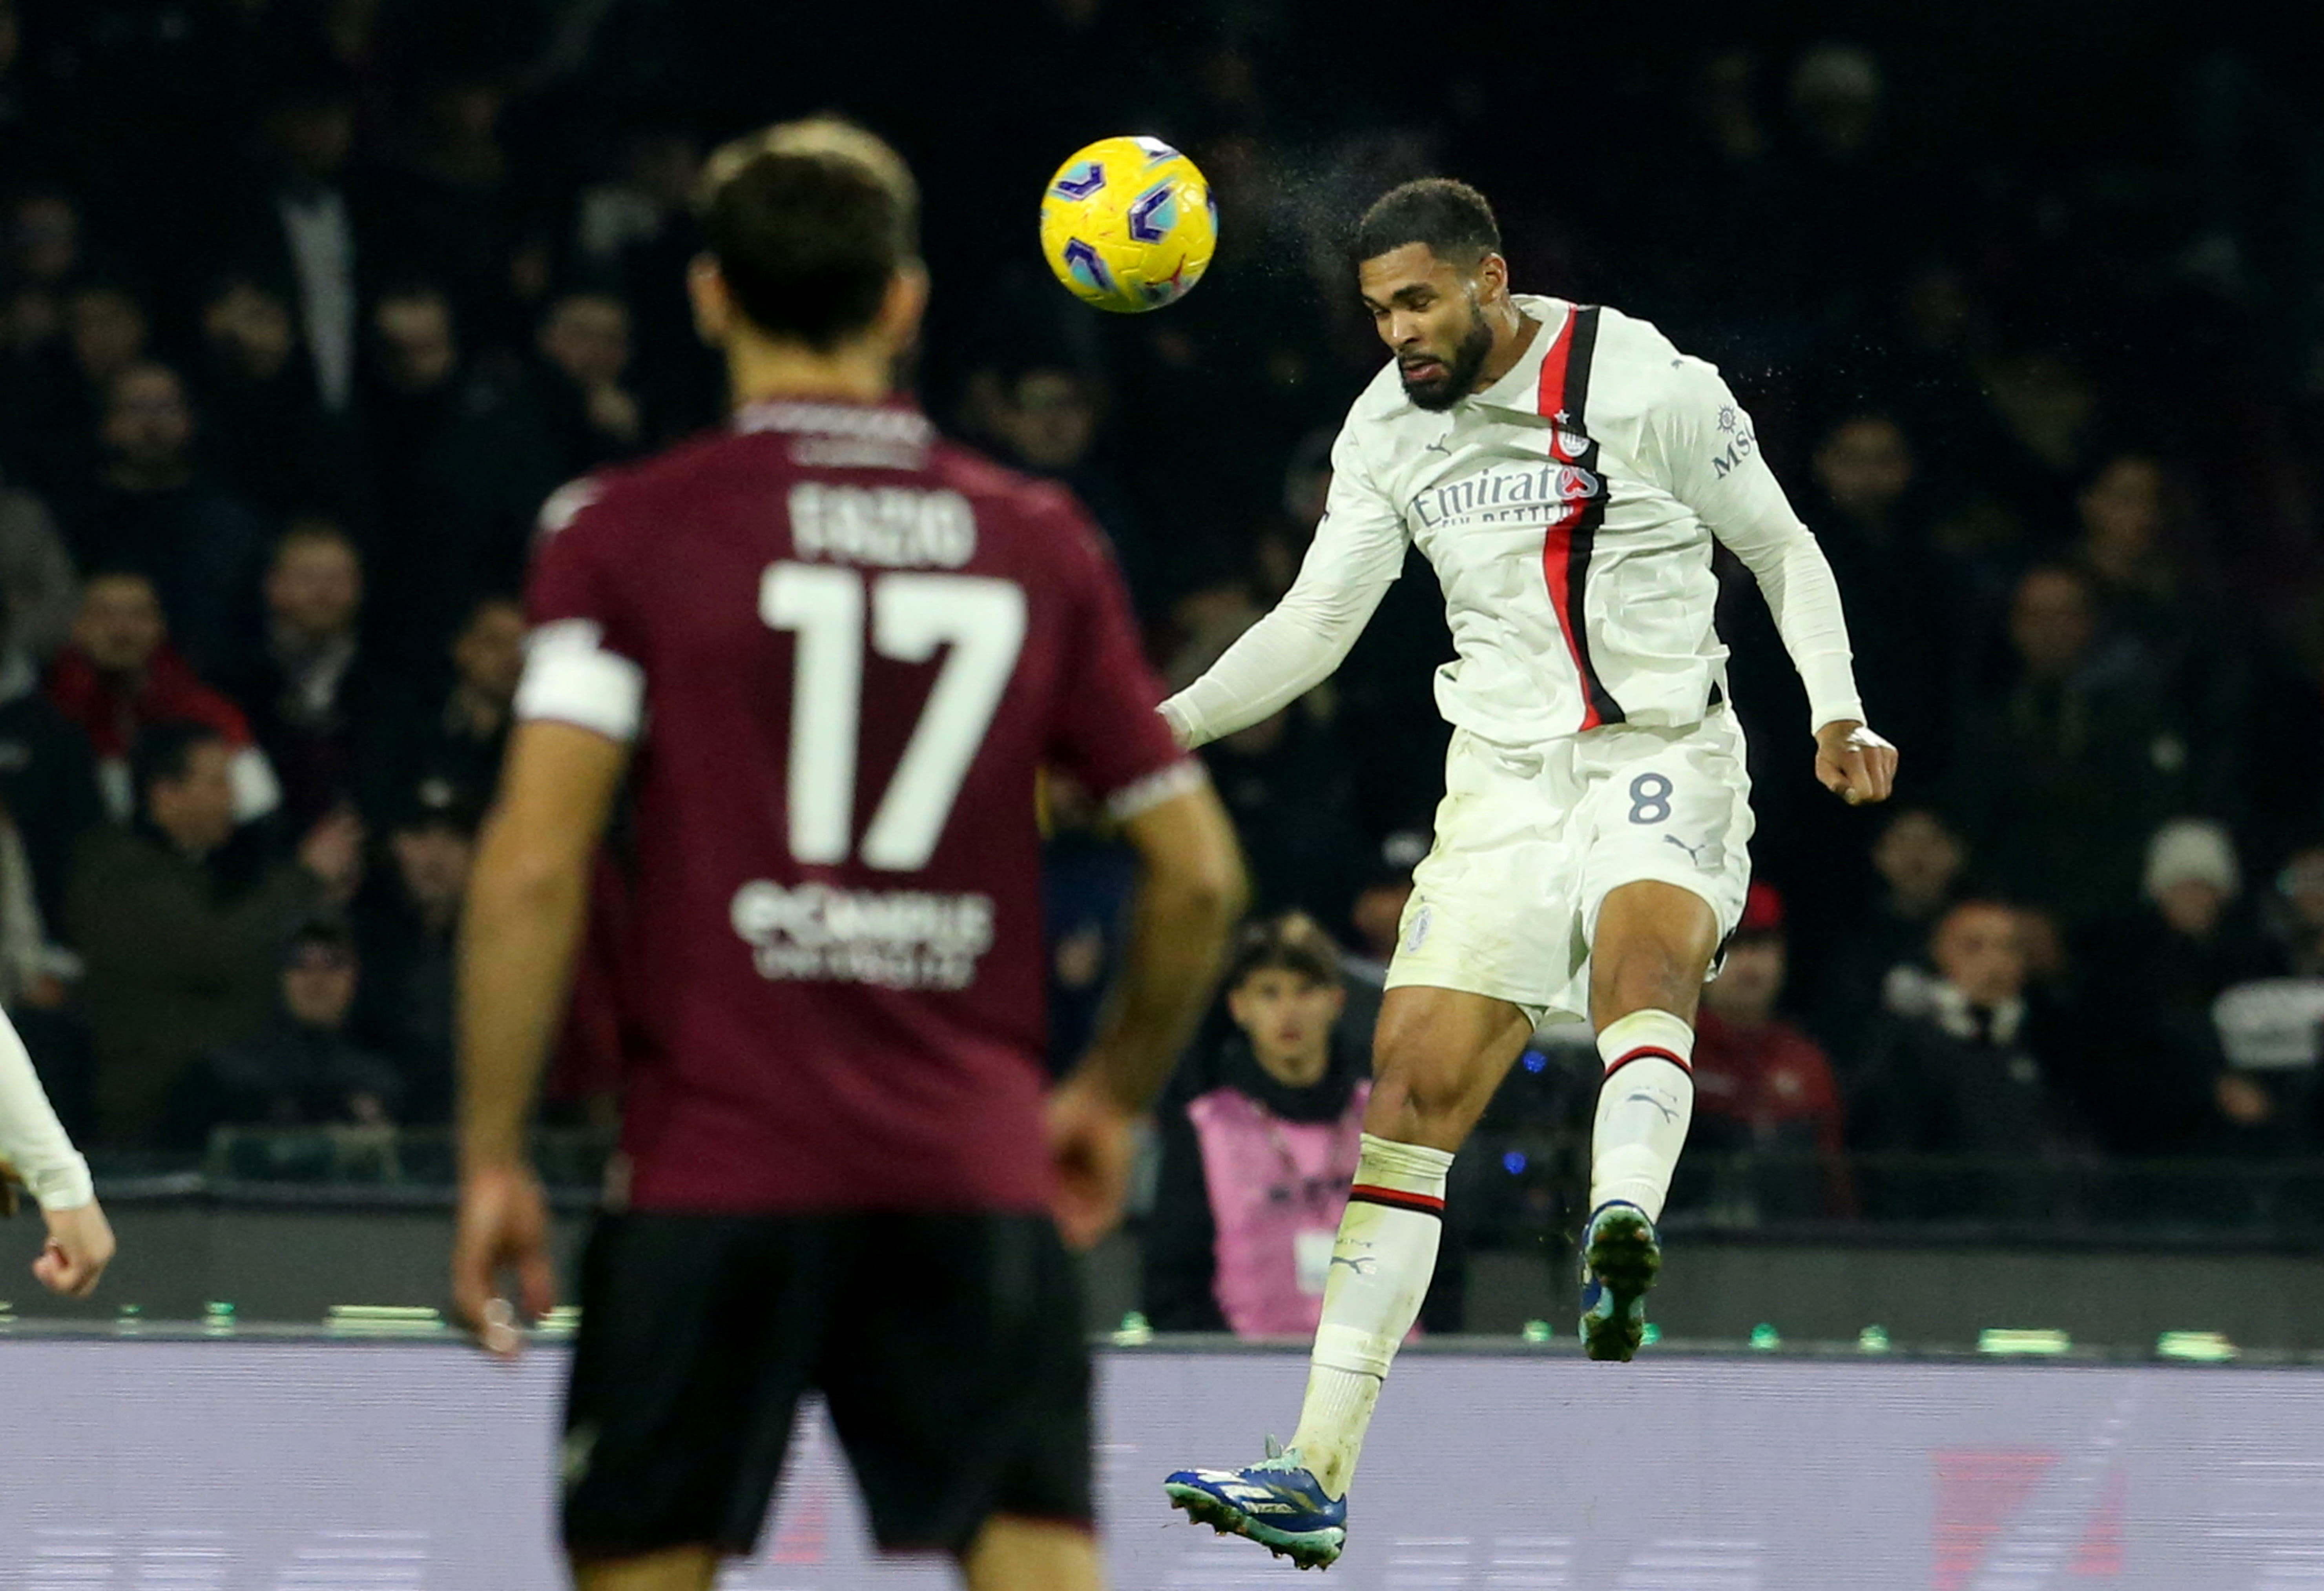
pixel 1380 1270
pixel 1643 1106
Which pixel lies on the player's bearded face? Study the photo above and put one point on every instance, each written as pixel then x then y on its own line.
pixel 1442 368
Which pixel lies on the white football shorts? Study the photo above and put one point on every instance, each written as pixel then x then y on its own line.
pixel 1531 840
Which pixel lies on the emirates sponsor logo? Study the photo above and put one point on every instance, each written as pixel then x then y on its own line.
pixel 1524 495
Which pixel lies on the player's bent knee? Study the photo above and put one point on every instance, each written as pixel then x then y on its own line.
pixel 1659 975
pixel 1423 1093
pixel 1653 945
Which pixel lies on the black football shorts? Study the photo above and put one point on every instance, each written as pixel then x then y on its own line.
pixel 949 1349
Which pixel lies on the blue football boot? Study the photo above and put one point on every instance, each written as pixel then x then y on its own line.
pixel 1278 1502
pixel 1620 1254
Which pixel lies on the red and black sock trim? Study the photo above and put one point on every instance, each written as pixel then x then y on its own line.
pixel 1582 491
pixel 1397 1198
pixel 1655 1051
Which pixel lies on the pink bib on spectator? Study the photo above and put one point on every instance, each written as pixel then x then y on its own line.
pixel 1276 1189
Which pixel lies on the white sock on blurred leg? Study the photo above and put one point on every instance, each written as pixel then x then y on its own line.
pixel 1644 1108
pixel 1380 1270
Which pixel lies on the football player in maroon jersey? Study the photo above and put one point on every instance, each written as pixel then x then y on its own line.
pixel 824 656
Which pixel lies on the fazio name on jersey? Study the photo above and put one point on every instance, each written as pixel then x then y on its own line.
pixel 894 527
pixel 892 938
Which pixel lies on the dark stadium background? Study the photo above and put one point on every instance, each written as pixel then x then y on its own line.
pixel 2037 238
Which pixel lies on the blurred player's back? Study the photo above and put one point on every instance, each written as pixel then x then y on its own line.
pixel 858 643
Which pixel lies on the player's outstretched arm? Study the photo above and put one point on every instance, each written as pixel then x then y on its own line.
pixel 35 1150
pixel 1357 554
pixel 1190 892
pixel 527 903
pixel 1711 460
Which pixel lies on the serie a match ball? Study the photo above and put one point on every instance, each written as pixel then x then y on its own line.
pixel 1128 224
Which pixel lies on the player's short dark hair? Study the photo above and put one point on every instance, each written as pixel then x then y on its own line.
pixel 163 753
pixel 1292 943
pixel 809 222
pixel 1452 218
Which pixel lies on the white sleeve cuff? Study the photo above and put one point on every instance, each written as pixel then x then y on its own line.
pixel 1180 778
pixel 569 677
pixel 65 1185
pixel 1831 682
pixel 1181 727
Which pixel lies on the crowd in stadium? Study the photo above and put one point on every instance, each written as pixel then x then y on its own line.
pixel 305 308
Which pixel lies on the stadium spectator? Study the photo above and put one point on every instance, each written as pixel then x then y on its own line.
pixel 2293 916
pixel 636 228
pixel 2146 594
pixel 461 467
pixel 1378 913
pixel 40 591
pixel 1864 511
pixel 119 674
pixel 303 1069
pixel 1087 878
pixel 63 390
pixel 406 924
pixel 2067 767
pixel 1954 1068
pixel 1259 1139
pixel 2270 1031
pixel 299 217
pixel 1918 860
pixel 1288 783
pixel 42 252
pixel 453 198
pixel 311 687
pixel 266 431
pixel 179 919
pixel 2157 1081
pixel 153 512
pixel 37 975
pixel 1761 1085
pixel 589 416
pixel 459 736
pixel 646 198
pixel 1048 418
pixel 33 970
pixel 48 777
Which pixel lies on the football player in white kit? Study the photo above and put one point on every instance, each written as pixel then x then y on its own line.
pixel 1566 470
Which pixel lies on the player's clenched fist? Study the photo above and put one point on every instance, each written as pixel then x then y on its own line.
pixel 1089 1143
pixel 1854 763
pixel 79 1245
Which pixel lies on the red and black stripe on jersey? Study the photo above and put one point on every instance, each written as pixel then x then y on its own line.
pixel 1564 398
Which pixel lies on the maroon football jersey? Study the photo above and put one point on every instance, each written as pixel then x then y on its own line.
pixel 842 648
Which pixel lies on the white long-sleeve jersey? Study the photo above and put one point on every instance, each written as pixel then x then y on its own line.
pixel 1569 509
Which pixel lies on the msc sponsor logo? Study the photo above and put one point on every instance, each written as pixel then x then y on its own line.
pixel 1740 445
pixel 891 938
